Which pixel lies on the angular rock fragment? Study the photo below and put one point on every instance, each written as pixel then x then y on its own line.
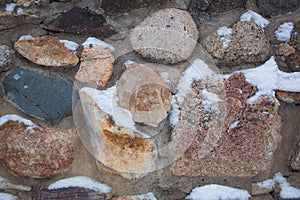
pixel 264 187
pixel 144 93
pixel 6 57
pixel 96 66
pixel 167 36
pixel 46 50
pixel 117 7
pixel 80 21
pixel 9 20
pixel 45 96
pixel 27 150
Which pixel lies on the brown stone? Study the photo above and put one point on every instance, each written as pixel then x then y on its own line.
pixel 38 154
pixel 248 45
pixel 167 36
pixel 288 97
pixel 284 49
pixel 96 66
pixel 148 196
pixel 46 50
pixel 244 149
pixel 144 93
pixel 9 20
pixel 295 163
pixel 80 21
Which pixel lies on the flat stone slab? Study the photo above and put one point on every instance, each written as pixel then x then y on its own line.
pixel 8 20
pixel 45 96
pixel 117 7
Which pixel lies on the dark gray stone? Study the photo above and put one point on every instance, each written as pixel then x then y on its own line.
pixel 277 7
pixel 41 95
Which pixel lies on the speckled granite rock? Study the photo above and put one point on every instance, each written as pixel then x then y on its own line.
pixel 215 6
pixel 144 93
pixel 277 7
pixel 47 51
pixel 9 20
pixel 248 45
pixel 41 95
pixel 167 36
pixel 96 67
pixel 34 152
pixel 6 57
pixel 80 21
pixel 250 133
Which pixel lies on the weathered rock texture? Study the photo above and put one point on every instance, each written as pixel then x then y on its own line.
pixel 148 196
pixel 249 134
pixel 248 45
pixel 8 20
pixel 288 97
pixel 96 66
pixel 144 93
pixel 277 7
pixel 167 36
pixel 41 95
pixel 215 6
pixel 46 50
pixel 40 154
pixel 6 57
pixel 295 163
pixel 80 21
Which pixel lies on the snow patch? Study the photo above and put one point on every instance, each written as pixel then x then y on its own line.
pixel 284 32
pixel 26 37
pixel 210 100
pixel 94 42
pixel 165 76
pixel 175 112
pixel 10 7
pixel 20 11
pixel 148 196
pixel 258 19
pixel 16 118
pixel 70 45
pixel 269 183
pixel 225 34
pixel 129 63
pixel 80 181
pixel 218 192
pixel 6 196
pixel 234 124
pixel 287 191
pixel 17 77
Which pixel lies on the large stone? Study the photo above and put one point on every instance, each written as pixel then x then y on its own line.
pixel 80 21
pixel 8 20
pixel 248 138
pixel 248 44
pixel 277 7
pixel 96 66
pixel 46 50
pixel 6 57
pixel 167 36
pixel 45 96
pixel 27 150
pixel 215 6
pixel 144 93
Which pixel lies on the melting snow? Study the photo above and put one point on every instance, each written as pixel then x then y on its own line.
pixel 225 34
pixel 94 42
pixel 16 118
pixel 80 181
pixel 258 19
pixel 10 7
pixel 287 191
pixel 210 100
pixel 175 112
pixel 70 45
pixel 6 196
pixel 20 11
pixel 284 32
pixel 26 37
pixel 165 76
pixel 234 124
pixel 129 63
pixel 269 183
pixel 148 196
pixel 218 192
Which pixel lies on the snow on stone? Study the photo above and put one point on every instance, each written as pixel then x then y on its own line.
pixel 26 37
pixel 16 118
pixel 165 76
pixel 284 32
pixel 10 7
pixel 20 11
pixel 80 181
pixel 175 112
pixel 287 191
pixel 234 124
pixel 269 183
pixel 218 192
pixel 268 78
pixel 2 179
pixel 258 19
pixel 148 196
pixel 129 63
pixel 225 34
pixel 210 100
pixel 17 77
pixel 70 45
pixel 6 196
pixel 94 42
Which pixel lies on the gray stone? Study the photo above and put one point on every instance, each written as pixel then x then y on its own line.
pixel 167 36
pixel 277 7
pixel 6 55
pixel 41 95
pixel 295 163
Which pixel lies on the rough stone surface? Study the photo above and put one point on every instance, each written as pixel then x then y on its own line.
pixel 46 50
pixel 245 149
pixel 28 3
pixel 215 6
pixel 257 189
pixel 71 193
pixel 96 66
pixel 45 96
pixel 9 21
pixel 288 97
pixel 80 21
pixel 6 57
pixel 148 196
pixel 263 197
pixel 40 154
pixel 295 162
pixel 248 45
pixel 167 36
pixel 144 93
pixel 277 7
